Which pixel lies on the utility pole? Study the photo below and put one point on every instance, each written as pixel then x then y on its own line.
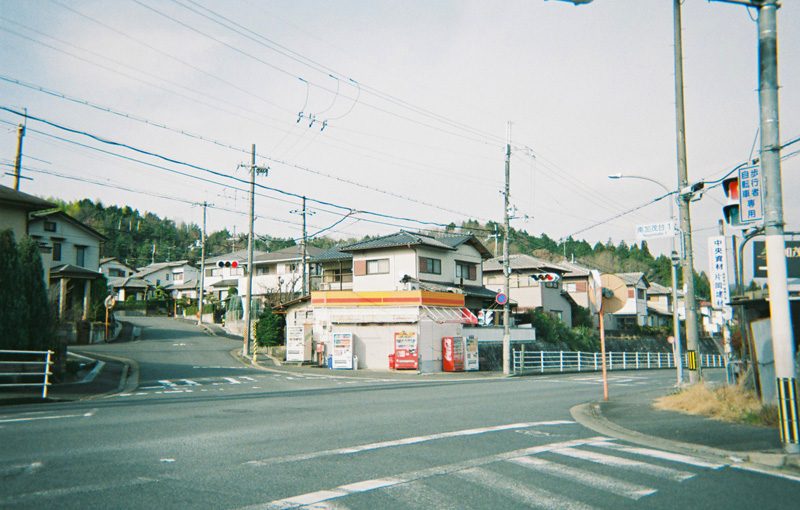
pixel 202 267
pixel 305 212
pixel 506 267
pixel 690 302
pixel 18 160
pixel 249 288
pixel 777 279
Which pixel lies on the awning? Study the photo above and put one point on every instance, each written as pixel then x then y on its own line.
pixel 444 315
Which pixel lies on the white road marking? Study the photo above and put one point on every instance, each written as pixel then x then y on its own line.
pixel 190 382
pixel 634 465
pixel 768 472
pixel 246 378
pixel 403 442
pixel 167 461
pixel 232 380
pixel 167 383
pixel 588 478
pixel 529 496
pixel 418 495
pixel 321 496
pixel 58 493
pixel 21 469
pixel 675 457
pixel 39 418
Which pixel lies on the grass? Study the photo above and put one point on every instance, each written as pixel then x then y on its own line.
pixel 735 404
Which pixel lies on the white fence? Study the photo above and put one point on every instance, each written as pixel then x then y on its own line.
pixel 26 369
pixel 570 361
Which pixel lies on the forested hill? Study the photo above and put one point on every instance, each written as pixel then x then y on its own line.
pixel 138 238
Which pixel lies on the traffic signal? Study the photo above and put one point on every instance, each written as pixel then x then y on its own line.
pixel 731 211
pixel 228 263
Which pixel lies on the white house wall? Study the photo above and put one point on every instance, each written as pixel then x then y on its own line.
pixel 69 236
pixel 401 263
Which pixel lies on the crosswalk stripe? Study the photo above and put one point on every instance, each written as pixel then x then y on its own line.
pixel 419 495
pixel 232 380
pixel 189 382
pixel 590 479
pixel 634 465
pixel 530 496
pixel 649 452
pixel 167 382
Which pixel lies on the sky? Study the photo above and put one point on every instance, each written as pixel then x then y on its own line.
pixel 388 114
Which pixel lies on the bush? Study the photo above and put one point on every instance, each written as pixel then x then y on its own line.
pixel 269 328
pixel 551 329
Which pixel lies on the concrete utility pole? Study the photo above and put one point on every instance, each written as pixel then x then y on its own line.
pixel 18 160
pixel 305 212
pixel 249 288
pixel 202 267
pixel 690 302
pixel 506 267
pixel 777 279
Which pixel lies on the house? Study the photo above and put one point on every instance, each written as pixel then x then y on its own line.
pixel 15 208
pixel 406 285
pixel 335 269
pixel 112 267
pixel 74 259
pixel 528 293
pixel 124 288
pixel 576 283
pixel 280 273
pixel 659 305
pixel 167 274
pixel 220 277
pixel 634 313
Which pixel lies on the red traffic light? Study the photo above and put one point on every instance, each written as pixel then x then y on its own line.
pixel 228 263
pixel 730 187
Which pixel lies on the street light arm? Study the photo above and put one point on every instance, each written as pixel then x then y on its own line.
pixel 621 176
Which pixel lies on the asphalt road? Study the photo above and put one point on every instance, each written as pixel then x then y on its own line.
pixel 202 431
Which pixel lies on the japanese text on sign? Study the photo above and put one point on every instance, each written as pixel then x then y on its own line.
pixel 750 194
pixel 655 230
pixel 718 267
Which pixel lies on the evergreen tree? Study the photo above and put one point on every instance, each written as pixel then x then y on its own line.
pixel 13 327
pixel 40 330
pixel 269 328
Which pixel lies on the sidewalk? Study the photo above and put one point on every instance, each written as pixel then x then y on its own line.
pixel 633 418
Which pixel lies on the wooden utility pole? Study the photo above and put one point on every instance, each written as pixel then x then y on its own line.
pixel 18 160
pixel 506 267
pixel 201 290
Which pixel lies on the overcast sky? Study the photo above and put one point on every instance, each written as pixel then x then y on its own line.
pixel 416 95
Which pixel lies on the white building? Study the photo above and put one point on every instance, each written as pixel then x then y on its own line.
pixel 166 274
pixel 526 292
pixel 112 267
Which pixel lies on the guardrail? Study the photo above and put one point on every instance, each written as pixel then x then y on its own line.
pixel 23 361
pixel 571 361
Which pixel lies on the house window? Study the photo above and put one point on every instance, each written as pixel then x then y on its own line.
pixel 378 266
pixel 268 269
pixel 114 272
pixel 56 252
pixel 50 226
pixel 641 294
pixel 178 277
pixel 466 270
pixel 166 277
pixel 428 265
pixel 80 256
pixel 214 272
pixel 570 287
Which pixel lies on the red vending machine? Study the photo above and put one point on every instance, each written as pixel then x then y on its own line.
pixel 453 354
pixel 406 356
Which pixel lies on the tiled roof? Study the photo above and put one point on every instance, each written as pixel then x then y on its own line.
pixel 23 200
pixel 574 270
pixel 401 238
pixel 152 268
pixel 240 255
pixel 332 254
pixel 522 261
pixel 72 271
pixel 289 253
pixel 632 279
pixel 657 288
pixel 41 215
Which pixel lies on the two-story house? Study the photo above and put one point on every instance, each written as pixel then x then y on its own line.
pixel 635 310
pixel 112 267
pixel 171 276
pixel 659 305
pixel 334 268
pixel 524 290
pixel 15 208
pixel 279 273
pixel 409 284
pixel 218 279
pixel 74 258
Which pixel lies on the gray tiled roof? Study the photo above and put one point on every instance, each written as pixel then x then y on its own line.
pixel 240 255
pixel 152 268
pixel 332 254
pixel 401 238
pixel 657 288
pixel 289 253
pixel 632 279
pixel 522 261
pixel 574 269
pixel 23 200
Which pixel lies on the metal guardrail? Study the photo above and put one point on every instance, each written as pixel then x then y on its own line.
pixel 23 361
pixel 571 361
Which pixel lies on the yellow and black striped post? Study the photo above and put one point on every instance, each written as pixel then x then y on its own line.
pixel 691 360
pixel 787 410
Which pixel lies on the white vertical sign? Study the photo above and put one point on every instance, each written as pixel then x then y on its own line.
pixel 750 195
pixel 718 267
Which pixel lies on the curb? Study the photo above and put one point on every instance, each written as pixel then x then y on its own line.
pixel 590 415
pixel 130 375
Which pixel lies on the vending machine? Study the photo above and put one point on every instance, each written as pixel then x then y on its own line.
pixel 453 354
pixel 406 353
pixel 471 358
